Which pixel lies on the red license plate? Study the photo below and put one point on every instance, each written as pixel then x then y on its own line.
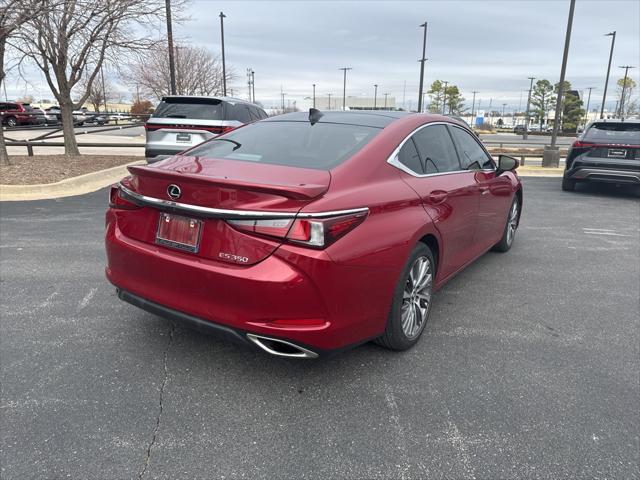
pixel 179 232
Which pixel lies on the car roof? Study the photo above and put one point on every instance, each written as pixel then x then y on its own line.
pixel 617 120
pixel 377 118
pixel 222 99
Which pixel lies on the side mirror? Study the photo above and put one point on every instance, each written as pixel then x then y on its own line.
pixel 506 164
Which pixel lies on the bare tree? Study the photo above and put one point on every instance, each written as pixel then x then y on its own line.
pixel 26 99
pixel 13 16
pixel 72 41
pixel 198 72
pixel 630 105
pixel 97 93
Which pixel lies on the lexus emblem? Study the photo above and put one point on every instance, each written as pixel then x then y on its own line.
pixel 174 191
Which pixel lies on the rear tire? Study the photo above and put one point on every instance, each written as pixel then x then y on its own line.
pixel 412 299
pixel 510 227
pixel 11 122
pixel 568 185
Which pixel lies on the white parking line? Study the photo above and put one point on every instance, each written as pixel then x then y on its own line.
pixel 87 298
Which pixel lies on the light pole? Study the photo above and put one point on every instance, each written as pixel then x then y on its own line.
pixel 422 60
pixel 624 87
pixel 314 95
pixel 503 107
pixel 253 84
pixel 249 81
pixel 224 68
pixel 473 107
pixel 551 155
pixel 344 87
pixel 172 66
pixel 385 100
pixel 525 134
pixel 444 96
pixel 586 114
pixel 329 95
pixel 606 82
pixel 375 96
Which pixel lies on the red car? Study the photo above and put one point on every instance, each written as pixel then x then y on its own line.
pixel 308 234
pixel 16 113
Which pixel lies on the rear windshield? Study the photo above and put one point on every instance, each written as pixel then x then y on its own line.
pixel 619 132
pixel 194 108
pixel 297 144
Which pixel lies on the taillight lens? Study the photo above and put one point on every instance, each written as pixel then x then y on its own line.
pixel 581 144
pixel 117 201
pixel 311 232
pixel 152 127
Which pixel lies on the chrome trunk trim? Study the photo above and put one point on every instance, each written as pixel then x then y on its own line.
pixel 210 212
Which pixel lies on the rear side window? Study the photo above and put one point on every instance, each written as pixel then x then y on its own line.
pixel 472 155
pixel 409 157
pixel 189 107
pixel 619 132
pixel 239 112
pixel 296 144
pixel 436 149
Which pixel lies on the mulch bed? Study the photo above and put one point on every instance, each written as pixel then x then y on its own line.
pixel 26 170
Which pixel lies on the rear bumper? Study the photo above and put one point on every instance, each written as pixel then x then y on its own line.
pixel 332 308
pixel 604 175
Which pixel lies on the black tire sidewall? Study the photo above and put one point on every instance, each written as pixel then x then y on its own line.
pixel 394 332
pixel 503 245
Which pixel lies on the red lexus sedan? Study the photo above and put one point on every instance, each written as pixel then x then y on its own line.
pixel 308 233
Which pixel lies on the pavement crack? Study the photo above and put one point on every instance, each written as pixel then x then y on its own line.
pixel 160 404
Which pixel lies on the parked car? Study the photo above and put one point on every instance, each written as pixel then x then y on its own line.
pixel 97 118
pixel 519 129
pixel 40 117
pixel 608 151
pixel 54 112
pixel 181 122
pixel 50 118
pixel 15 114
pixel 307 234
pixel 79 116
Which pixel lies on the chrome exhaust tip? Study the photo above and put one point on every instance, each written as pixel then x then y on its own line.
pixel 280 348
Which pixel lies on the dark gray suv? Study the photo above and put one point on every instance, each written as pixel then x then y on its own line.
pixel 181 122
pixel 607 151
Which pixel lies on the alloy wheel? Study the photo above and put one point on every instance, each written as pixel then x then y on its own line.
pixel 512 222
pixel 416 297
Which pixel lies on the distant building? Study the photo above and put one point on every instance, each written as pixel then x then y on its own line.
pixel 356 103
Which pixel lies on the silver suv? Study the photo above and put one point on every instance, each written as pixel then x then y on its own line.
pixel 181 122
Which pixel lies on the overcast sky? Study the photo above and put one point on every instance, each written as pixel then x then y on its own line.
pixel 488 46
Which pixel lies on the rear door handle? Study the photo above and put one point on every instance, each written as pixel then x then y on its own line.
pixel 437 197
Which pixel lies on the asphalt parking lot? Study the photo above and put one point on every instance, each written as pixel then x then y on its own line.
pixel 528 368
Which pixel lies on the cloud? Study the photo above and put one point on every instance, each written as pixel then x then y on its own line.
pixel 489 46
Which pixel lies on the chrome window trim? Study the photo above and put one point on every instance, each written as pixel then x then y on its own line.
pixel 393 158
pixel 210 212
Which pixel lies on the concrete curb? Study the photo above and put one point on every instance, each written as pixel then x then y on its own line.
pixel 539 172
pixel 87 183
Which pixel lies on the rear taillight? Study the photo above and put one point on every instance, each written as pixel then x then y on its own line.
pixel 311 232
pixel 116 200
pixel 152 127
pixel 581 144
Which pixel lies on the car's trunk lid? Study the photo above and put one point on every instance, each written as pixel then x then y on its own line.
pixel 213 190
